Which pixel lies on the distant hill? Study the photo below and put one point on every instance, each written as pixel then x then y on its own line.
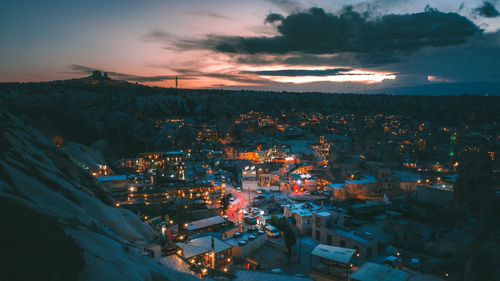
pixel 444 89
pixel 96 110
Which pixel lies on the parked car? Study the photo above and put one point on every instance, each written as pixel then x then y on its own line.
pixel 237 234
pixel 252 229
pixel 415 262
pixel 259 191
pixel 242 242
pixel 392 261
pixel 250 220
pixel 272 231
pixel 277 270
pixel 251 237
pixel 306 192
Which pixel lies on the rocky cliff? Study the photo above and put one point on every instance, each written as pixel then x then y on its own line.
pixel 58 222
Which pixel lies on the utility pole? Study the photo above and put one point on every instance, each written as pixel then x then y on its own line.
pixel 176 82
pixel 300 245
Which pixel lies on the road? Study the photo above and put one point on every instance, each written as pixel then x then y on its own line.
pixel 244 198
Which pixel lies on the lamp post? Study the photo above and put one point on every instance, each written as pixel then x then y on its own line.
pixel 213 253
pixel 163 229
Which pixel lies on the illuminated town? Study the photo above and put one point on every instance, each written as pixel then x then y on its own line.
pixel 367 182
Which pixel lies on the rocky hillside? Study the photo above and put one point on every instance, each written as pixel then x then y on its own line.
pixel 58 222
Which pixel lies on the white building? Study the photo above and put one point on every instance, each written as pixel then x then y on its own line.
pixel 249 178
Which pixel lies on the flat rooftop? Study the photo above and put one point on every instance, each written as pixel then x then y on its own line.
pixel 350 234
pixel 252 275
pixel 202 245
pixel 204 223
pixel 363 180
pixel 377 272
pixel 112 178
pixel 339 254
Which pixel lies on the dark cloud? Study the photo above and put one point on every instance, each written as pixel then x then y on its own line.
pixel 303 72
pixel 476 60
pixel 273 18
pixel 487 10
pixel 289 6
pixel 81 69
pixel 319 32
pixel 308 59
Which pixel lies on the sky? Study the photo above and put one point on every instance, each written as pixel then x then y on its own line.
pixel 329 46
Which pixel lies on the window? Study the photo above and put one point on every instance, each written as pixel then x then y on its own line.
pixel 318 222
pixel 318 235
pixel 328 239
pixel 342 243
pixel 369 252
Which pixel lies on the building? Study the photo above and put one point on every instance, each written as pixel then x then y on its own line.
pixel 414 235
pixel 362 187
pixel 377 272
pixel 211 224
pixel 254 240
pixel 325 219
pixel 199 251
pixel 269 179
pixel 169 165
pixel 368 240
pixel 365 245
pixel 407 181
pixel 394 195
pixel 115 183
pixel 367 208
pixel 437 194
pixel 173 165
pixel 300 216
pixel 331 263
pixel 338 190
pixel 249 178
pixel 302 182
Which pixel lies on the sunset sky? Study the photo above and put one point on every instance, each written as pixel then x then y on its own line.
pixel 328 46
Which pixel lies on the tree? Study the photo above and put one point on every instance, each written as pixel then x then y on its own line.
pixel 184 137
pixel 290 240
pixel 224 202
pixel 279 223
